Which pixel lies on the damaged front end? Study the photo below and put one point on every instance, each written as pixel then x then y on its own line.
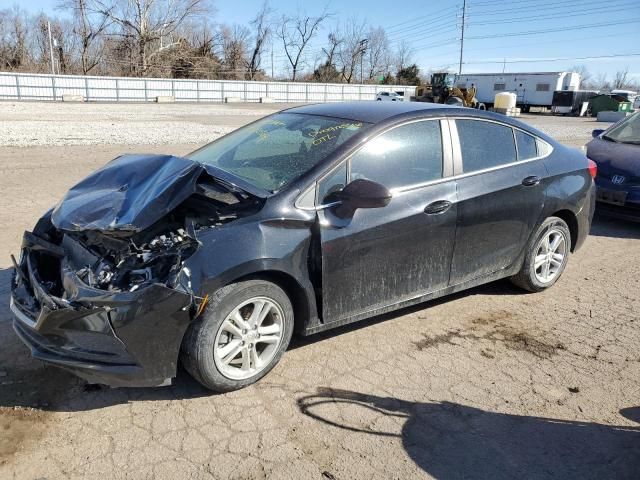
pixel 101 287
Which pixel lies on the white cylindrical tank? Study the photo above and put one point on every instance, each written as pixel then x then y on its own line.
pixel 505 100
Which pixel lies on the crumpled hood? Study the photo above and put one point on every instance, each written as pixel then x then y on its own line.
pixel 128 194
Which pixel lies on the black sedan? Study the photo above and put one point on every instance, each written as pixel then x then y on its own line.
pixel 311 218
pixel 616 151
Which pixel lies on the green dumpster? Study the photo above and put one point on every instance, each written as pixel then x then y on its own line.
pixel 609 103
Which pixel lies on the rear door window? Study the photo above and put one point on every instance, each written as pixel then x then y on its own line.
pixel 485 144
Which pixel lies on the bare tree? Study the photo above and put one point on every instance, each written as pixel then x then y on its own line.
pixel 295 33
pixel 234 50
pixel 334 43
pixel 601 82
pixel 404 55
pixel 353 49
pixel 327 71
pixel 262 30
pixel 89 27
pixel 621 78
pixel 585 75
pixel 377 52
pixel 14 52
pixel 62 42
pixel 146 22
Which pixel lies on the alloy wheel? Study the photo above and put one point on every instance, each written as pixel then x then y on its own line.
pixel 550 255
pixel 249 338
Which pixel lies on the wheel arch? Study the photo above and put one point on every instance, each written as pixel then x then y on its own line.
pixel 302 306
pixel 572 222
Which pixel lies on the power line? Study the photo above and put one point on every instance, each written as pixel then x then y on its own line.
pixel 551 30
pixel 542 60
pixel 520 45
pixel 440 21
pixel 551 16
pixel 417 19
pixel 431 33
pixel 546 6
pixel 501 2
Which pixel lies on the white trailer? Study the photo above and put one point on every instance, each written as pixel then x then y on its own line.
pixel 532 89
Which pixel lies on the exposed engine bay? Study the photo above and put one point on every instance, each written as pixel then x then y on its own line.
pixel 126 262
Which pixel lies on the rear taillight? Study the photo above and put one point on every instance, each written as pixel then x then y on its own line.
pixel 593 168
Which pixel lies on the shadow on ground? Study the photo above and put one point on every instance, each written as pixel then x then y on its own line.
pixel 604 226
pixel 449 440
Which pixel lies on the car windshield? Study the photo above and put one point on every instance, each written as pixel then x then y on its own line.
pixel 628 131
pixel 273 151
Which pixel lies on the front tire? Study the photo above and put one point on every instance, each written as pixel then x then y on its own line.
pixel 546 257
pixel 242 334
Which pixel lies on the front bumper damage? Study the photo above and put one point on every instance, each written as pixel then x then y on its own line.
pixel 120 338
pixel 103 287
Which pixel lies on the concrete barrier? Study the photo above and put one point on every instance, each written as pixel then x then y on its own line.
pixel 165 99
pixel 611 116
pixel 267 100
pixel 232 100
pixel 72 98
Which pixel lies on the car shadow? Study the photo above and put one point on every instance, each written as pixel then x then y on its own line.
pixel 450 440
pixel 604 226
pixel 499 287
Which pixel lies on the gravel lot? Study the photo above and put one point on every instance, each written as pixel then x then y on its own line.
pixel 490 383
pixel 41 124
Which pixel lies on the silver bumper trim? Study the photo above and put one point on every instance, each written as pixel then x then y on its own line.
pixel 20 315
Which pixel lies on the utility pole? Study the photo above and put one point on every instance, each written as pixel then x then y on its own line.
pixel 53 71
pixel 363 49
pixel 271 60
pixel 464 14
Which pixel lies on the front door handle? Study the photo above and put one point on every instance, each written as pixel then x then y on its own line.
pixel 531 181
pixel 439 206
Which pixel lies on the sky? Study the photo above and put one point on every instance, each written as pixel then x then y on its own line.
pixel 507 35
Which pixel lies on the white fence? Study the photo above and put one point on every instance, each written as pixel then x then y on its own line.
pixel 26 86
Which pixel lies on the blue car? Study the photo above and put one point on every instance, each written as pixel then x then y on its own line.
pixel 616 151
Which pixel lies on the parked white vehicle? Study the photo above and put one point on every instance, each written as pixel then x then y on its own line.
pixel 531 89
pixel 389 97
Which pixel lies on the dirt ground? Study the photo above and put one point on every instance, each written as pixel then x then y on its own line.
pixel 489 383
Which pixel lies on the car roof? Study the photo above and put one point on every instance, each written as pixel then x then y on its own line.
pixel 389 112
pixel 367 111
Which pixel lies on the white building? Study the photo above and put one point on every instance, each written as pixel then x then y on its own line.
pixel 532 89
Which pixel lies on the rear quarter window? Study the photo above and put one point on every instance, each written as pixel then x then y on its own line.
pixel 527 145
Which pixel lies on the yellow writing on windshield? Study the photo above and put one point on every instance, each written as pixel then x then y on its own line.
pixel 322 139
pixel 325 134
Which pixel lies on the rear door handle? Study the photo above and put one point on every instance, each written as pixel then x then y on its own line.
pixel 439 206
pixel 531 181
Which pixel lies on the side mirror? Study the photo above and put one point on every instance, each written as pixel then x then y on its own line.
pixel 361 193
pixel 597 132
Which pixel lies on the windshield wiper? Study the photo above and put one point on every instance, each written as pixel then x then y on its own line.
pixel 609 139
pixel 630 142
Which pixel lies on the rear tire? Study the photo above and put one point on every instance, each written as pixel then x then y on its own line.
pixel 242 334
pixel 546 256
